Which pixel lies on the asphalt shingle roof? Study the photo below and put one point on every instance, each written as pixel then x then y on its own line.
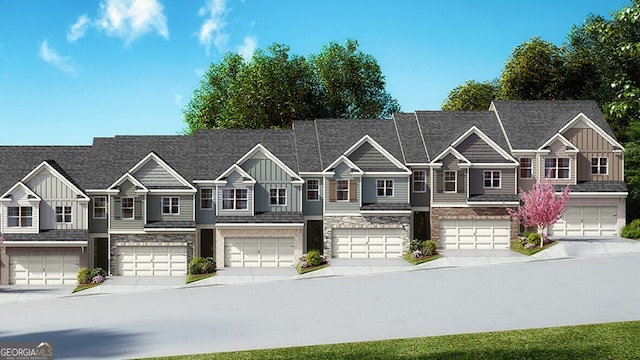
pixel 413 147
pixel 50 235
pixel 262 218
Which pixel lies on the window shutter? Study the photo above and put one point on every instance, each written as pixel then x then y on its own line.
pixel 137 208
pixel 117 208
pixel 332 190
pixel 352 190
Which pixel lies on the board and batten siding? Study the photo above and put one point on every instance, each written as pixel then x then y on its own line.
pixel 367 158
pixel 313 207
pixel 593 145
pixel 154 208
pixel 370 190
pixel 559 150
pixel 507 182
pixel 54 192
pixel 234 181
pixel 127 189
pixel 353 205
pixel 153 175
pixel 269 175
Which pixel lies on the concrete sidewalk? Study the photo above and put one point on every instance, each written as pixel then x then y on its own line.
pixel 566 248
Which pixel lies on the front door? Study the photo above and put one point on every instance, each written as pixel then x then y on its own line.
pixel 314 236
pixel 101 253
pixel 206 243
pixel 421 225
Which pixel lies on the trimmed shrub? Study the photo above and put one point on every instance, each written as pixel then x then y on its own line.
pixel 200 265
pixel 629 232
pixel 84 276
pixel 534 239
pixel 415 244
pixel 314 258
pixel 98 272
pixel 429 248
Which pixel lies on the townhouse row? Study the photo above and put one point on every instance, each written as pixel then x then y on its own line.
pixel 146 205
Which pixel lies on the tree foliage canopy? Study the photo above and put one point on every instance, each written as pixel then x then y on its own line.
pixel 472 95
pixel 274 88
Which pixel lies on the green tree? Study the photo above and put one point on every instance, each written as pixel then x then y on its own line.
pixel 472 95
pixel 274 88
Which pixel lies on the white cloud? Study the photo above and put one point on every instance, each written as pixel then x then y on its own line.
pixel 178 99
pixel 248 47
pixel 77 30
pixel 212 29
pixel 130 19
pixel 199 72
pixel 53 58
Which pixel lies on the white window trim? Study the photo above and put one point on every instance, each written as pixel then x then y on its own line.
pixel 444 181
pixel 63 214
pixel 235 199
pixel 556 168
pixel 101 207
pixel 123 208
pixel 384 187
pixel 530 167
pixel 423 181
pixel 20 217
pixel 171 205
pixel 203 198
pixel 492 173
pixel 338 191
pixel 277 197
pixel 316 190
pixel 599 165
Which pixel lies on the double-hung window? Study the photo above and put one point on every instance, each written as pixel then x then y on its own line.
pixel 599 166
pixel 419 181
pixel 63 214
pixel 342 190
pixel 100 207
pixel 526 168
pixel 127 207
pixel 491 179
pixel 170 205
pixel 557 168
pixel 385 187
pixel 278 196
pixel 20 216
pixel 206 198
pixel 449 180
pixel 234 199
pixel 313 189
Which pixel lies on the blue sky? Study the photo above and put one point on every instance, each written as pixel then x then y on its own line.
pixel 77 69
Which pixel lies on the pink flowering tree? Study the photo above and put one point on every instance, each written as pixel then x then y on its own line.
pixel 541 207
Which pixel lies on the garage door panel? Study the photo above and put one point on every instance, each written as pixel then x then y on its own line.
pixel 363 243
pixel 475 234
pixel 259 252
pixel 50 269
pixel 152 261
pixel 587 221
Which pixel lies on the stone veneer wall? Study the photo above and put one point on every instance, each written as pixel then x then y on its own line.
pixel 359 222
pixel 222 233
pixel 475 213
pixel 149 240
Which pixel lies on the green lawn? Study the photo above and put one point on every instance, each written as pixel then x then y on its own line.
pixel 600 341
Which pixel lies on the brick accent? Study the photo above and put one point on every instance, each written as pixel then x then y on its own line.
pixel 148 240
pixel 378 222
pixel 472 213
pixel 222 233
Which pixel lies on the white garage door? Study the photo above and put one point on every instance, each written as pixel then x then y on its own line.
pixel 474 234
pixel 587 221
pixel 258 252
pixel 367 243
pixel 152 260
pixel 43 269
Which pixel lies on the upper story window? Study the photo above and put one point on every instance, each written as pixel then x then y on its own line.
pixel 491 179
pixel 599 166
pixel 449 180
pixel 127 207
pixel 206 198
pixel 20 216
pixel 385 187
pixel 100 207
pixel 170 205
pixel 234 199
pixel 313 189
pixel 557 168
pixel 63 214
pixel 278 196
pixel 342 190
pixel 526 168
pixel 419 180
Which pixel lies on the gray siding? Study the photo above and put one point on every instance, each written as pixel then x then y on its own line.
pixel 314 207
pixel 206 216
pixel 115 209
pixel 474 149
pixel 507 180
pixel 450 163
pixel 152 174
pixel 98 225
pixel 367 158
pixel 421 198
pixel 342 172
pixel 269 175
pixel 234 181
pixel 154 208
pixel 370 193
